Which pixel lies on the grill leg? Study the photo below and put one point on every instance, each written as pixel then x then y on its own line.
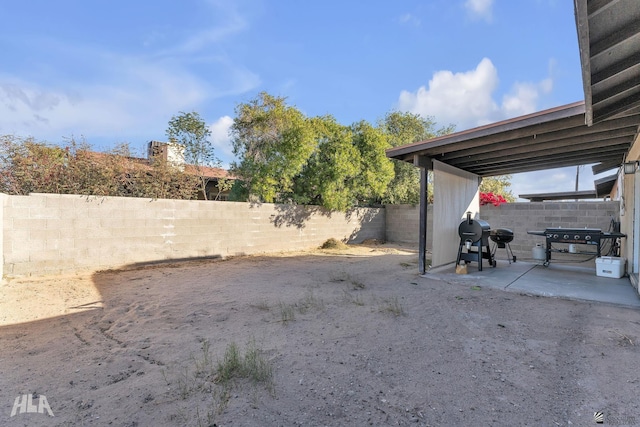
pixel 510 255
pixel 492 261
pixel 482 252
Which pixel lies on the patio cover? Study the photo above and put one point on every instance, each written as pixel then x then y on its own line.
pixel 609 40
pixel 548 139
pixel 599 131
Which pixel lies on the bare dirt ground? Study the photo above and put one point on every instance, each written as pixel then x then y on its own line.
pixel 350 337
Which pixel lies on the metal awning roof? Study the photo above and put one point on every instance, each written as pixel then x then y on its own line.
pixel 564 195
pixel 609 41
pixel 548 139
pixel 603 188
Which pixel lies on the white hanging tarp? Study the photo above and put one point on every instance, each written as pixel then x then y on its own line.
pixel 455 192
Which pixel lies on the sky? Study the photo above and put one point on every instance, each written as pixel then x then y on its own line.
pixel 113 71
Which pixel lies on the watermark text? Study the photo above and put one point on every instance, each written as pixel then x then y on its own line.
pixel 31 404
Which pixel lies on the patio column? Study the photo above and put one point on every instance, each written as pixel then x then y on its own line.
pixel 424 163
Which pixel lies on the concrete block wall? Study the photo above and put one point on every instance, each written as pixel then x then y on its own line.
pixel 403 224
pixel 53 234
pixel 522 217
pixel 402 221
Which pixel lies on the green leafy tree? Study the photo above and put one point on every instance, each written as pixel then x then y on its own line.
pixel 328 177
pixel 223 184
pixel 190 131
pixel 348 167
pixel 405 128
pixel 498 185
pixel 274 142
pixel 375 170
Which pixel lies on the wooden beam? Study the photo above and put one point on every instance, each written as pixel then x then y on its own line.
pixel 582 158
pixel 547 150
pixel 614 127
pixel 509 169
pixel 603 167
pixel 582 25
pixel 549 120
pixel 422 162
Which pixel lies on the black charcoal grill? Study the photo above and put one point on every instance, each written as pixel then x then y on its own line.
pixel 501 238
pixel 474 236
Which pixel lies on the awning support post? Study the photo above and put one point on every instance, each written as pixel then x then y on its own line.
pixel 424 163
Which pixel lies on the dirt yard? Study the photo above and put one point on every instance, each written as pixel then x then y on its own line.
pixel 351 337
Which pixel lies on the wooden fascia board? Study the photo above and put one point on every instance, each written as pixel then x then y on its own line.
pixel 501 128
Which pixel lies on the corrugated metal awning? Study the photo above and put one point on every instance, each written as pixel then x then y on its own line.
pixel 609 40
pixel 598 131
pixel 553 138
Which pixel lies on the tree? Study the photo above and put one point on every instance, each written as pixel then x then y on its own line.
pixel 223 184
pixel 498 185
pixel 348 167
pixel 287 157
pixel 327 177
pixel 405 128
pixel 375 169
pixel 190 131
pixel 274 142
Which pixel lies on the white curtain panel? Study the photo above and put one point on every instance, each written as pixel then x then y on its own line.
pixel 455 192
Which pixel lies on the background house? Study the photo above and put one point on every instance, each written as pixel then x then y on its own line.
pixel 173 154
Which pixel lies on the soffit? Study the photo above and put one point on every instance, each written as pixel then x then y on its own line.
pixel 553 138
pixel 609 41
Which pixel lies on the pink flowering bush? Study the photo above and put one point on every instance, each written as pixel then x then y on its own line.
pixel 490 198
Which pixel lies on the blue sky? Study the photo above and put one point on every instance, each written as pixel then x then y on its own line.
pixel 117 71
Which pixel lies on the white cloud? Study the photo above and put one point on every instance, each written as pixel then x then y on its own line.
pixel 463 99
pixel 466 99
pixel 221 139
pixel 521 101
pixel 409 19
pixel 136 99
pixel 524 97
pixel 231 23
pixel 121 94
pixel 479 9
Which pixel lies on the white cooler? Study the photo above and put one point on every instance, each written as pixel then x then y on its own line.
pixel 609 266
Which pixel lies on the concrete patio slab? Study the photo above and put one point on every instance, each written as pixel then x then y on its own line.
pixel 569 281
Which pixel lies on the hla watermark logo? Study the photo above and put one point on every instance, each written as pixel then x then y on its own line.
pixel 25 404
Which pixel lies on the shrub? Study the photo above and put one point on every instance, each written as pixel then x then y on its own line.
pixel 490 198
pixel 28 166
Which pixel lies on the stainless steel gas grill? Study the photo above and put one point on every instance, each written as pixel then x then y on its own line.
pixel 474 233
pixel 582 236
